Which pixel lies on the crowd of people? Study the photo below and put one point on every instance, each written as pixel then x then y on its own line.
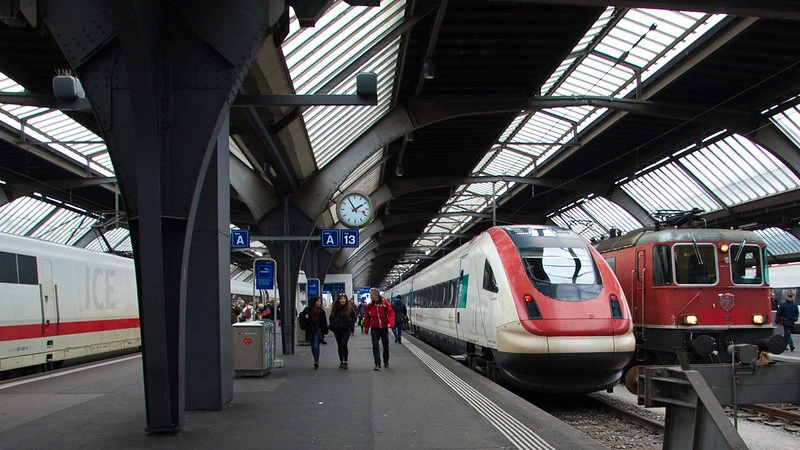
pixel 375 318
pixel 242 311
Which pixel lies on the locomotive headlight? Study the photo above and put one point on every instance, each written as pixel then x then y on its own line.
pixel 759 319
pixel 723 248
pixel 689 320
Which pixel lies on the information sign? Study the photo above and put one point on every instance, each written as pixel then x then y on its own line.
pixel 265 273
pixel 329 238
pixel 313 287
pixel 350 238
pixel 240 238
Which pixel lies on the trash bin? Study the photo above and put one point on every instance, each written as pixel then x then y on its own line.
pixel 252 348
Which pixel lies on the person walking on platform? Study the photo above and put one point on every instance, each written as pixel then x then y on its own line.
pixel 315 324
pixel 400 318
pixel 343 317
pixel 379 317
pixel 362 308
pixel 787 315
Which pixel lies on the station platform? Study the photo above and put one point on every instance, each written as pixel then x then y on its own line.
pixel 423 400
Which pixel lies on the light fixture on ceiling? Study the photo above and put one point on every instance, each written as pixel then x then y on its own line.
pixel 429 69
pixel 399 171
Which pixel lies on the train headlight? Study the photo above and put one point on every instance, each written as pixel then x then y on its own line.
pixel 759 319
pixel 616 309
pixel 531 307
pixel 723 248
pixel 689 320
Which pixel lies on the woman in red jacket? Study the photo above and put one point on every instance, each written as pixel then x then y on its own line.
pixel 378 319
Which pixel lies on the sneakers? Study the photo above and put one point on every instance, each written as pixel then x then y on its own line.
pixel 377 368
pixel 344 365
pixel 316 365
pixel 341 365
pixel 386 364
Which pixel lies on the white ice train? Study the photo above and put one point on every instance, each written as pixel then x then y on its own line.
pixel 534 306
pixel 59 303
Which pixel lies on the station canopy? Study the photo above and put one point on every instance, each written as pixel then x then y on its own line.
pixel 616 55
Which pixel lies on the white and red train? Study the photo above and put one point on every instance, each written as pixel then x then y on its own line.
pixel 59 303
pixel 534 306
pixel 694 289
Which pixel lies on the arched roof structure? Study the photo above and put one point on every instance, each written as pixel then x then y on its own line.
pixel 584 114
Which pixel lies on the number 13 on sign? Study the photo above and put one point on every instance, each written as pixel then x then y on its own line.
pixel 350 238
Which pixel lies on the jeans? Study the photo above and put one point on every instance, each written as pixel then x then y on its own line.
pixel 787 333
pixel 381 334
pixel 342 338
pixel 315 345
pixel 398 333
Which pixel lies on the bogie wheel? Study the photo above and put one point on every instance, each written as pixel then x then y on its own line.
pixel 632 380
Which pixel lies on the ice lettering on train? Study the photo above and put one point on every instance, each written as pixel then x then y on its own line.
pixel 99 288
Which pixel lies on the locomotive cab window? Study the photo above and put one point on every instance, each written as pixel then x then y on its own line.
pixel 746 264
pixel 489 282
pixel 662 265
pixel 695 263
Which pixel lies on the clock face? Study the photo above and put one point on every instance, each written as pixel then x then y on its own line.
pixel 354 209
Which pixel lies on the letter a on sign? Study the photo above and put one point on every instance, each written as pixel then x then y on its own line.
pixel 239 239
pixel 329 240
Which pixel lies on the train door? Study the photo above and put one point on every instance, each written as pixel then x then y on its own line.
pixel 461 298
pixel 49 300
pixel 638 287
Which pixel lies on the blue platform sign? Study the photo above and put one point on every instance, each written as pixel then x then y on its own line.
pixel 240 238
pixel 313 287
pixel 329 238
pixel 265 273
pixel 350 238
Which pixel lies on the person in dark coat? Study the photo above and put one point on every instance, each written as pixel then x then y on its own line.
pixel 314 322
pixel 787 315
pixel 343 317
pixel 400 318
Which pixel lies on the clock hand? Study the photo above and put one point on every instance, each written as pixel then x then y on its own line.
pixel 351 204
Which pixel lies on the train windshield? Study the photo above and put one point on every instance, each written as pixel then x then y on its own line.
pixel 695 263
pixel 747 266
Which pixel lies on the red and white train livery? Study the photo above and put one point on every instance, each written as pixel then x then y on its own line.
pixel 59 302
pixel 695 289
pixel 534 306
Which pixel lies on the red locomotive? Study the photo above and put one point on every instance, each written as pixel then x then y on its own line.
pixel 696 289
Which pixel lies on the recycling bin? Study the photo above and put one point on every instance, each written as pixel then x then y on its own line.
pixel 252 348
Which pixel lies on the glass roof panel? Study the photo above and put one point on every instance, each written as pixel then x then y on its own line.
pixel 738 171
pixel 63 227
pixel 610 215
pixel 579 221
pixel 780 242
pixel 23 215
pixel 316 55
pixel 789 122
pixel 669 188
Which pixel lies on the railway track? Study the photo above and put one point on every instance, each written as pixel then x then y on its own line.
pixel 785 415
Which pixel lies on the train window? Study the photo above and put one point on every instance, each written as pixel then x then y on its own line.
pixel 565 273
pixel 27 269
pixel 695 263
pixel 662 265
pixel 489 282
pixel 746 264
pixel 8 267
